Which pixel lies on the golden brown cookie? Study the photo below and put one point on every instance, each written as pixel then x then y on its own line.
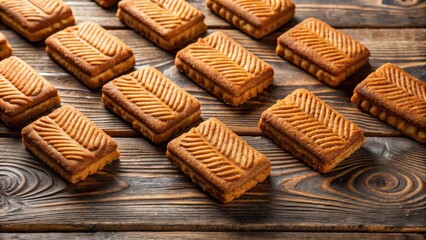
pixel 5 48
pixel 90 53
pixel 151 103
pixel 395 97
pixel 311 130
pixel 324 52
pixel 257 18
pixel 167 23
pixel 71 144
pixel 106 3
pixel 218 160
pixel 225 68
pixel 36 19
pixel 24 94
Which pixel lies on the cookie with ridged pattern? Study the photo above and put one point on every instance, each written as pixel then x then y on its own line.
pixel 91 53
pixel 69 143
pixel 256 18
pixel 36 19
pixel 311 130
pixel 395 97
pixel 24 93
pixel 323 51
pixel 218 160
pixel 167 23
pixel 225 68
pixel 151 103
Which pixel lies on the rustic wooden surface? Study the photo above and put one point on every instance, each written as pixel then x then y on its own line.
pixel 380 189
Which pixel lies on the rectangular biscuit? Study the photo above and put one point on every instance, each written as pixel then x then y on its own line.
pixel 24 94
pixel 324 52
pixel 151 103
pixel 311 130
pixel 225 68
pixel 218 160
pixel 106 3
pixel 71 144
pixel 167 23
pixel 396 97
pixel 257 18
pixel 90 53
pixel 36 19
pixel 5 48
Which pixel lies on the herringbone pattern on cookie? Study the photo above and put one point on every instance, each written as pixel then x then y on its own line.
pixel 25 9
pixel 81 49
pixel 56 137
pixel 152 93
pixel 47 6
pixel 320 46
pixel 9 93
pixel 228 144
pixel 235 52
pixel 79 128
pixel 99 38
pixel 256 8
pixel 262 8
pixel 403 80
pixel 340 41
pixel 278 5
pixel 143 99
pixel 316 120
pixel 209 157
pixel 327 45
pixel 18 81
pixel 398 88
pixel 162 16
pixel 219 149
pixel 167 13
pixel 180 8
pixel 164 89
pixel 233 72
pixel 90 42
pixel 318 109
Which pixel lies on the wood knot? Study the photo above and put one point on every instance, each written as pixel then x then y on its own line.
pixel 402 2
pixel 2 185
pixel 382 182
pixel 5 184
pixel 21 181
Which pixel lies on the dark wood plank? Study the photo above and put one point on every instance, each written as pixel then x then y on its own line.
pixel 338 13
pixel 381 188
pixel 404 48
pixel 211 235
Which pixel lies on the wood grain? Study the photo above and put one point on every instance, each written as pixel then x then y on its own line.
pixel 403 48
pixel 381 188
pixel 212 235
pixel 337 13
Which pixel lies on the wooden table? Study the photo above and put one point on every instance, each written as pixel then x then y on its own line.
pixel 378 192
